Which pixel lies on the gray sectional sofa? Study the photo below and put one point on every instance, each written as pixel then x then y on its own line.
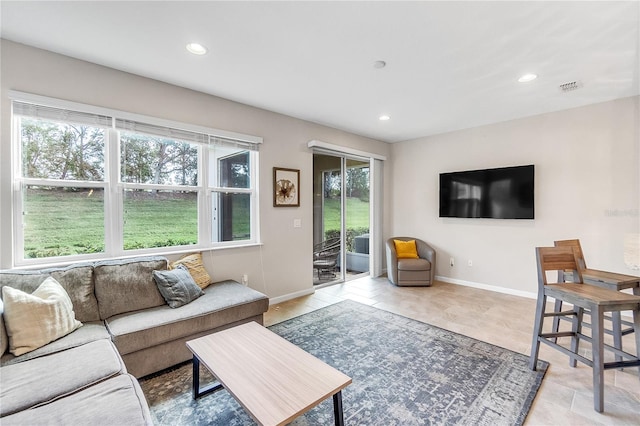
pixel 89 376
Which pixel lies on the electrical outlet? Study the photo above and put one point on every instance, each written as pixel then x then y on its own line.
pixel 245 279
pixel 451 262
pixel 470 262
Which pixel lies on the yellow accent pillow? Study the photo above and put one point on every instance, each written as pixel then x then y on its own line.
pixel 193 263
pixel 406 249
pixel 35 319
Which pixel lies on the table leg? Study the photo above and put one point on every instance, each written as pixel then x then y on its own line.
pixel 616 324
pixel 197 393
pixel 337 408
pixel 597 340
pixel 196 377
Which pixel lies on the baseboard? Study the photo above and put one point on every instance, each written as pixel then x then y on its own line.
pixel 284 298
pixel 488 287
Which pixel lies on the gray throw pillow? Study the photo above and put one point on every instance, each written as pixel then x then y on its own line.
pixel 177 286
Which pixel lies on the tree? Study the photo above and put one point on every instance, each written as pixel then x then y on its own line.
pixel 150 159
pixel 62 150
pixel 358 182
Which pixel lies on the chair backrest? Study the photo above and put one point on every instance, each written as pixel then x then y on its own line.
pixel 577 248
pixel 557 259
pixel 329 244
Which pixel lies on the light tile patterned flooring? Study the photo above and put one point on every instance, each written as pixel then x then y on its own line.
pixel 565 397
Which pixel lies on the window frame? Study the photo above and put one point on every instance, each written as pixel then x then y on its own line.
pixel 114 189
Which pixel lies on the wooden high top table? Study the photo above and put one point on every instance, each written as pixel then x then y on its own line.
pixel 274 380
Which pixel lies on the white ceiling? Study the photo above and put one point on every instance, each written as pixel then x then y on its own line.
pixel 450 65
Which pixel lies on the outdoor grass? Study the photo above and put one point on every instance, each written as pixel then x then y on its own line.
pixel 62 223
pixel 160 221
pixel 357 213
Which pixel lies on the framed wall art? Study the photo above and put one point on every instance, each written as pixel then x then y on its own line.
pixel 286 187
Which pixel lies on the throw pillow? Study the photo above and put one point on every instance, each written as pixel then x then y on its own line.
pixel 406 249
pixel 177 286
pixel 4 339
pixel 193 263
pixel 33 320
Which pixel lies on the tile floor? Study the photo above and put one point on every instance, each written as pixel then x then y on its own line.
pixel 565 397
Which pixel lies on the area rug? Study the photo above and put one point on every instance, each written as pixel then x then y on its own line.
pixel 404 372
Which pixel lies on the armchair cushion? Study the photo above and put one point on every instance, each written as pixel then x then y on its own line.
pixel 414 265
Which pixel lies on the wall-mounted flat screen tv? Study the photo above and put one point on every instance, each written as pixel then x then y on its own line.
pixel 502 193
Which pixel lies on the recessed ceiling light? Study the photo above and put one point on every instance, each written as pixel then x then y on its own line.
pixel 196 48
pixel 379 64
pixel 384 118
pixel 527 78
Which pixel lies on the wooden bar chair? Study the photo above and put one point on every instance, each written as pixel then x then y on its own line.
pixel 597 300
pixel 610 280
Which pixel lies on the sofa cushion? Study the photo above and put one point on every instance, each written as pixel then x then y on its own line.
pixel 33 320
pixel 4 338
pixel 27 384
pixel 24 280
pixel 177 286
pixel 193 263
pixel 222 303
pixel 77 280
pixel 116 401
pixel 89 332
pixel 127 285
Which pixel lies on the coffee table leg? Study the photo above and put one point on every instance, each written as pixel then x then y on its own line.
pixel 197 393
pixel 337 408
pixel 196 377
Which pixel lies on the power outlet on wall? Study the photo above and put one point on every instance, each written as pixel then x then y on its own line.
pixel 245 279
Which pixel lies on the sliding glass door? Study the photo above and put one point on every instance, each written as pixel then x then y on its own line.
pixel 341 218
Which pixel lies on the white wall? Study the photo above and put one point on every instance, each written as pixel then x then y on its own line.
pixel 587 165
pixel 283 265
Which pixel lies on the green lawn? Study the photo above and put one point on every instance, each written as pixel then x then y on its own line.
pixel 159 221
pixel 357 219
pixel 357 214
pixel 61 223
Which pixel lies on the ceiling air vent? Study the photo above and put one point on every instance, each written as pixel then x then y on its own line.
pixel 572 85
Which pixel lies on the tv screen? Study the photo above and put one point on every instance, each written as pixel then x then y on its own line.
pixel 503 193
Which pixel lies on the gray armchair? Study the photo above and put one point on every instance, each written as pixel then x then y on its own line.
pixel 411 272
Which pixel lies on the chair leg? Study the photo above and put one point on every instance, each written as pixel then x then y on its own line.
pixel 557 307
pixel 537 331
pixel 576 329
pixel 597 348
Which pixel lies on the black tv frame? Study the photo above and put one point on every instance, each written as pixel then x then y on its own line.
pixel 496 193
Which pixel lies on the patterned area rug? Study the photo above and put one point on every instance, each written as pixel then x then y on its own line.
pixel 404 372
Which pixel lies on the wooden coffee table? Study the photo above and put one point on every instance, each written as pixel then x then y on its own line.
pixel 274 380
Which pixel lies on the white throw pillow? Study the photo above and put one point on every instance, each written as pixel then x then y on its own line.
pixel 33 320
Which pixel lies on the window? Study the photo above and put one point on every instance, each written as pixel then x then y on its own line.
pixel 96 183
pixel 160 191
pixel 229 185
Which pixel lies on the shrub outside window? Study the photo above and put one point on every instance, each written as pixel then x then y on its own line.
pixel 94 183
